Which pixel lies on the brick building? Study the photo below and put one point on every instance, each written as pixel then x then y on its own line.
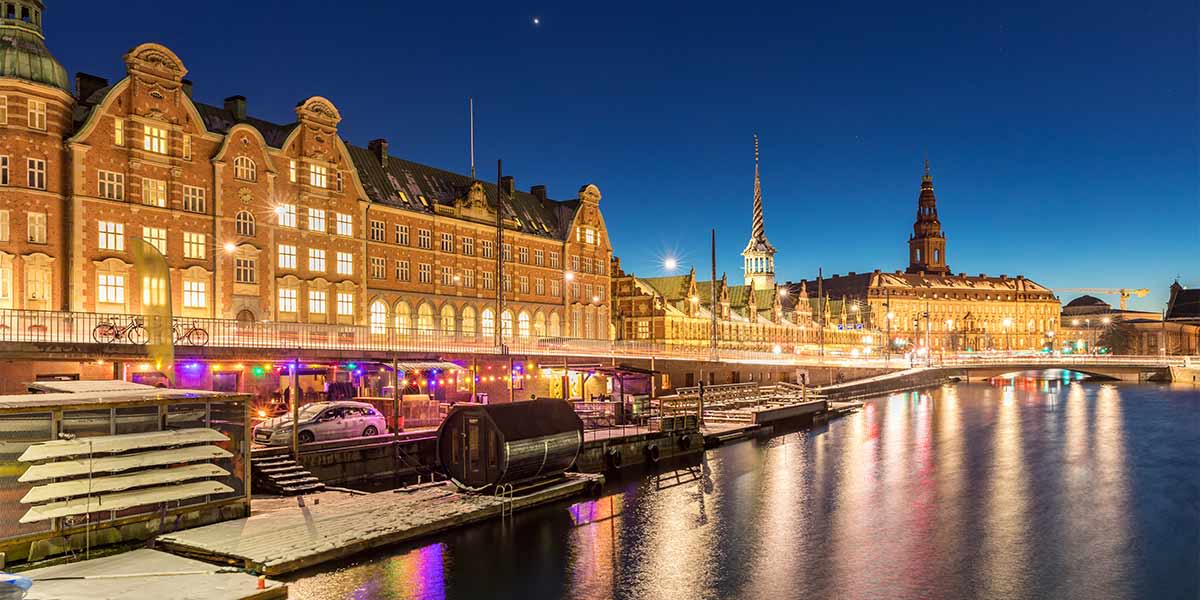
pixel 265 221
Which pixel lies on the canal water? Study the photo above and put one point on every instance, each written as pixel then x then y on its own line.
pixel 1029 487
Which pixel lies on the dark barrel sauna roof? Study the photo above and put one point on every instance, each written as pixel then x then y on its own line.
pixel 533 418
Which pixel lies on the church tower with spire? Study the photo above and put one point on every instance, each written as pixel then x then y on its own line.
pixel 927 245
pixel 759 255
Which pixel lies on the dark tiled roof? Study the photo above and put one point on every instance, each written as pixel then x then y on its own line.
pixel 219 120
pixel 858 283
pixel 1185 305
pixel 403 184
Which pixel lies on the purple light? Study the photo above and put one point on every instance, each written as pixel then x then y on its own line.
pixel 193 365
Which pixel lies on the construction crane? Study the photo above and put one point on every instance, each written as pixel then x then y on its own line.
pixel 1124 293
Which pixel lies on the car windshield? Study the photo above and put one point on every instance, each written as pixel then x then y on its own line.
pixel 309 411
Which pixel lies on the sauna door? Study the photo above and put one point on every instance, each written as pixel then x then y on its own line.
pixel 474 452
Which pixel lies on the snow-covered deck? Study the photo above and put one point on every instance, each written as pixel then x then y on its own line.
pixel 147 574
pixel 116 464
pixel 297 537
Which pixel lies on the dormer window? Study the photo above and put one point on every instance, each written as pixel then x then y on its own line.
pixel 244 169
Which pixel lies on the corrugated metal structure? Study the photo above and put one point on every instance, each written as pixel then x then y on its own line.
pixel 483 445
pixel 81 470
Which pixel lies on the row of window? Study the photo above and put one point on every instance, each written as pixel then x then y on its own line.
pixel 35 113
pixel 448 322
pixel 35 172
pixel 289 301
pixel 287 216
pixel 110 289
pixel 111 237
pixel 111 186
pixel 38 273
pixel 287 259
pixel 35 223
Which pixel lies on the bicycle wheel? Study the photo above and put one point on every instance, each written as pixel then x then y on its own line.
pixel 198 337
pixel 104 333
pixel 137 335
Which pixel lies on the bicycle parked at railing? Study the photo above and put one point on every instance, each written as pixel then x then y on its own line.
pixel 191 333
pixel 113 330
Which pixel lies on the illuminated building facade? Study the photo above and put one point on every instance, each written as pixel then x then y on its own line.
pixel 260 221
pixel 928 302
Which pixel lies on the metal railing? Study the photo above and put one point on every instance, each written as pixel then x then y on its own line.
pixel 64 327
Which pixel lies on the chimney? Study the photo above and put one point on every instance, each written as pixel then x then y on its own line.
pixel 379 149
pixel 87 84
pixel 851 274
pixel 507 183
pixel 539 192
pixel 187 87
pixel 237 106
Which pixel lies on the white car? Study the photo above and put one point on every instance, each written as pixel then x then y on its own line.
pixel 322 421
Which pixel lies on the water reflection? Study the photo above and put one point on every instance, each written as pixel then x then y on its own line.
pixel 1021 487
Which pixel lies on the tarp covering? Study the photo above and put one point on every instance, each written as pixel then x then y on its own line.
pixel 116 464
pixel 116 483
pixel 108 444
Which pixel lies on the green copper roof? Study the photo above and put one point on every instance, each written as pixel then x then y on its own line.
pixel 23 55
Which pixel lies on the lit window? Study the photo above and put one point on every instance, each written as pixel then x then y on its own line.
pixel 244 222
pixel 287 256
pixel 157 237
pixel 553 260
pixel 36 170
pixel 316 260
pixel 317 176
pixel 193 245
pixel 110 289
pixel 345 224
pixel 36 227
pixel 4 224
pixel 112 185
pixel 287 300
pixel 378 317
pixel 345 263
pixel 424 239
pixel 3 110
pixel 447 242
pixel 154 139
pixel 154 291
pixel 286 214
pixel 194 199
pixel 245 270
pixel 316 302
pixel 154 192
pixel 292 170
pixel 377 231
pixel 487 323
pixel 425 273
pixel 316 219
pixel 378 267
pixel 112 236
pixel 37 115
pixel 345 304
pixel 119 131
pixel 244 169
pixel 195 294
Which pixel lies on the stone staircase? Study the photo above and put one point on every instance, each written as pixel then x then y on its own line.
pixel 281 476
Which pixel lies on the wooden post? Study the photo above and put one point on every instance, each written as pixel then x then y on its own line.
pixel 395 397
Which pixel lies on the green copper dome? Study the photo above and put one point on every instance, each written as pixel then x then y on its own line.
pixel 23 52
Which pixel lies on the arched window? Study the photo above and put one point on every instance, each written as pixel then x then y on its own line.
pixel 245 223
pixel 523 324
pixel 448 324
pixel 539 324
pixel 403 318
pixel 244 169
pixel 555 330
pixel 506 325
pixel 425 319
pixel 378 317
pixel 487 323
pixel 468 322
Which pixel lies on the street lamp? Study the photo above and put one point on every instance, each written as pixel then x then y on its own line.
pixel 1007 341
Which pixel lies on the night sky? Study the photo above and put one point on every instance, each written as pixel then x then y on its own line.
pixel 1063 135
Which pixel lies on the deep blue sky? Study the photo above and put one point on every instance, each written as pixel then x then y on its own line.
pixel 1063 135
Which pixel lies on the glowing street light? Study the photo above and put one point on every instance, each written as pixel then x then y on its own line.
pixel 230 247
pixel 569 276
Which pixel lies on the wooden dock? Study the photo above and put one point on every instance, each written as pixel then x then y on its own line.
pixel 147 574
pixel 293 538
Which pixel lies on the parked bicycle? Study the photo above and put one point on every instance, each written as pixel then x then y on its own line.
pixel 113 330
pixel 191 333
